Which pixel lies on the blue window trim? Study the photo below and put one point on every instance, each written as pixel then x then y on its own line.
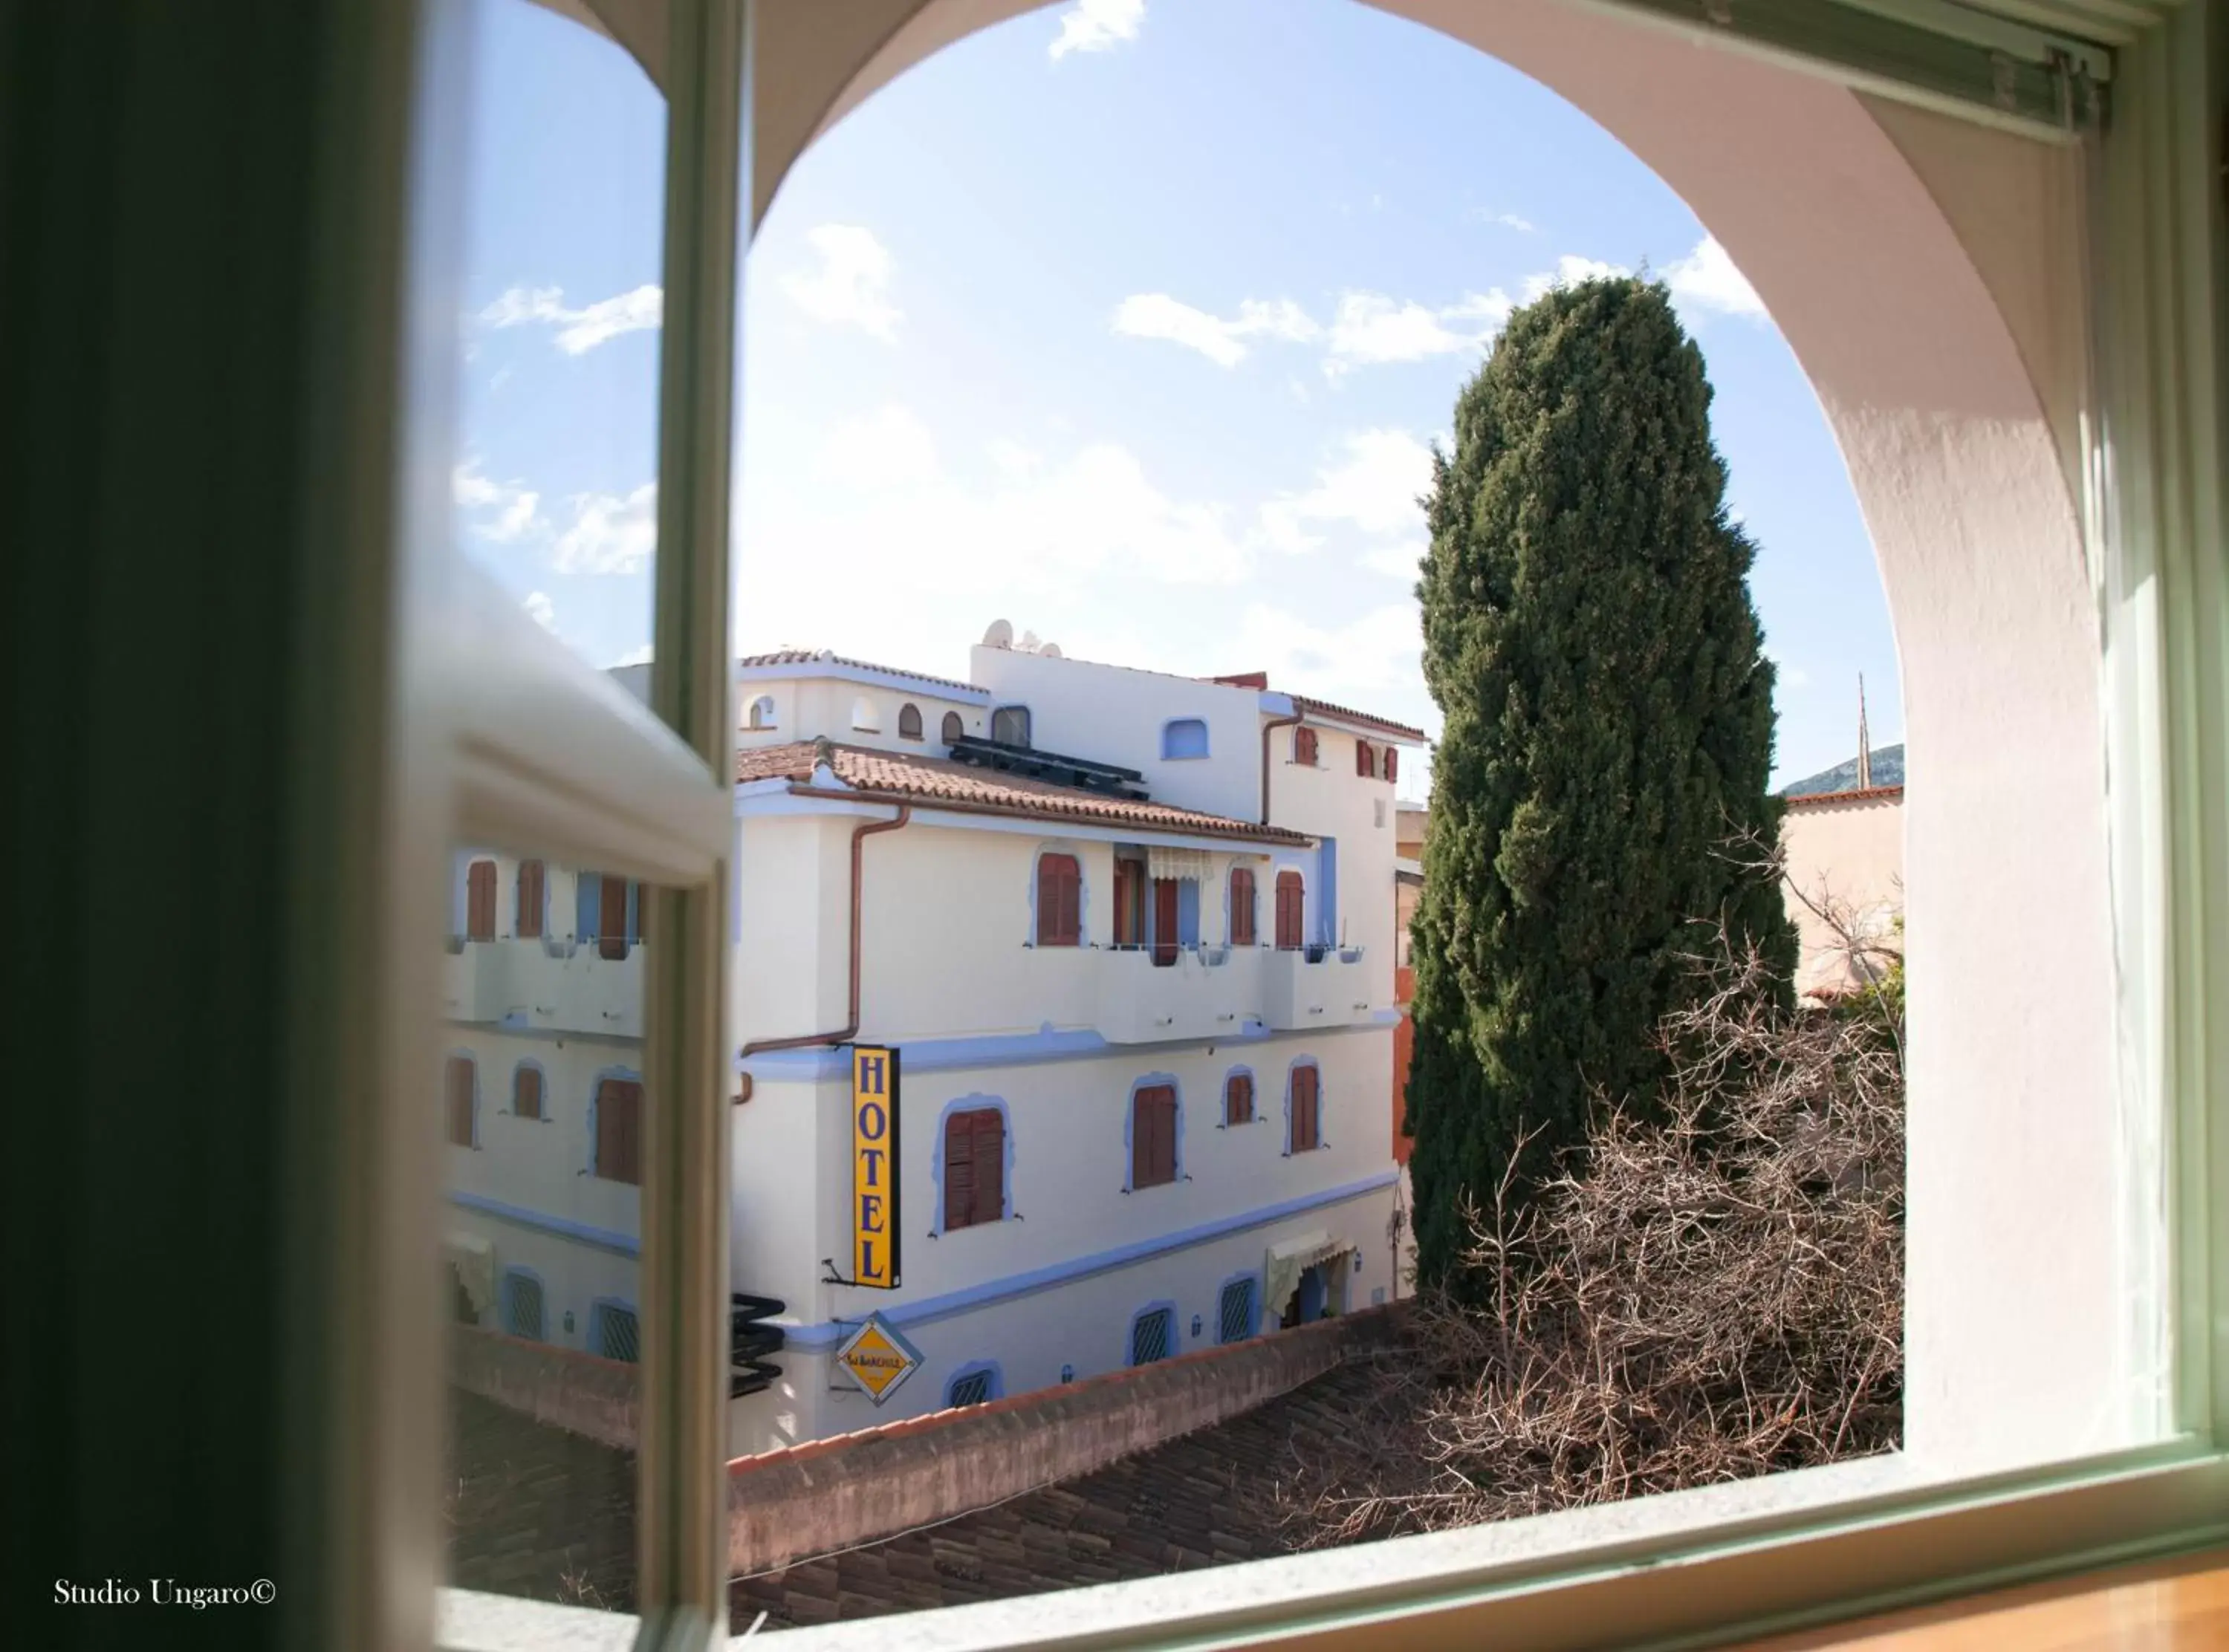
pixel 1253 1324
pixel 596 1083
pixel 597 1307
pixel 471 1059
pixel 523 1062
pixel 977 1368
pixel 1075 852
pixel 1130 1334
pixel 1130 1122
pixel 973 1102
pixel 1223 1096
pixel 1323 1136
pixel 503 1298
pixel 1170 740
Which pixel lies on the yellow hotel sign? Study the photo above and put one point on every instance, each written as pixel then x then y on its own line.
pixel 874 1166
pixel 878 1358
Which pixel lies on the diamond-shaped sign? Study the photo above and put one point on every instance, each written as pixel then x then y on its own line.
pixel 877 1358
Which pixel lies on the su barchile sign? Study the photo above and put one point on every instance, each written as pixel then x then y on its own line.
pixel 874 1166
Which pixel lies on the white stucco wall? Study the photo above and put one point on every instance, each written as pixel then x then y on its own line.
pixel 827 701
pixel 1845 859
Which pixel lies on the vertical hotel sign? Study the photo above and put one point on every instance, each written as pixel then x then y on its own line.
pixel 875 1165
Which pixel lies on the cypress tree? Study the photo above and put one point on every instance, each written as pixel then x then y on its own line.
pixel 1609 726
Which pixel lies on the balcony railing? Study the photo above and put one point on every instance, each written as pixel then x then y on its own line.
pixel 1318 986
pixel 559 984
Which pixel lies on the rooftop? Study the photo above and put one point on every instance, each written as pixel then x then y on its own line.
pixel 788 656
pixel 938 780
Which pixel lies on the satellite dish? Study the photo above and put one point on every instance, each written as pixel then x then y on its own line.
pixel 1051 650
pixel 1029 642
pixel 1001 635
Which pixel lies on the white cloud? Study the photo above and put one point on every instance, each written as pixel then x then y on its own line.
pixel 852 286
pixel 1370 327
pixel 1376 650
pixel 888 448
pixel 543 610
pixel 1706 279
pixel 1012 458
pixel 1510 221
pixel 583 330
pixel 1793 678
pixel 1097 26
pixel 1373 487
pixel 1156 314
pixel 610 533
pixel 633 656
pixel 1569 271
pixel 1402 561
pixel 516 508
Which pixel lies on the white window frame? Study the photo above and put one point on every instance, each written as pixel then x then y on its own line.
pixel 547 757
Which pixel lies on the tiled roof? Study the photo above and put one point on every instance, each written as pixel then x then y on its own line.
pixel 1324 707
pixel 935 779
pixel 1870 794
pixel 823 656
pixel 1202 1500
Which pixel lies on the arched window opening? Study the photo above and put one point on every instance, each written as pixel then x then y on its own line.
pixel 1241 906
pixel 1185 737
pixel 458 1085
pixel 972 1389
pixel 619 1130
pixel 909 721
pixel 1238 1098
pixel 1060 900
pixel 1292 898
pixel 761 713
pixel 1365 759
pixel 1308 1121
pixel 479 902
pixel 526 923
pixel 1009 725
pixel 864 718
pixel 526 1091
pixel 974 1167
pixel 1153 1136
pixel 955 730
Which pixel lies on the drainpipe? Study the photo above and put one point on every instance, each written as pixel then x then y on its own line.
pixel 860 833
pixel 1267 729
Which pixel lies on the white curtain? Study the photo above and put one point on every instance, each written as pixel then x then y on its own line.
pixel 1196 864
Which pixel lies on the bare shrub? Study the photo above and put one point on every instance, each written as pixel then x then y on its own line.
pixel 1711 1294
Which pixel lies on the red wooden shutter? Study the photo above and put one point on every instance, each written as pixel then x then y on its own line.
pixel 526 1092
pixel 1304 1110
pixel 527 926
pixel 1126 906
pixel 1166 1137
pixel 1060 889
pixel 479 902
pixel 611 918
pixel 1291 895
pixel 990 1134
pixel 619 1130
pixel 1238 1099
pixel 959 1171
pixel 1392 763
pixel 458 1077
pixel 1304 746
pixel 1366 761
pixel 1164 921
pixel 1153 1137
pixel 1242 906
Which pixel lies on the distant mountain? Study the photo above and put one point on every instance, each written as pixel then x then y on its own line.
pixel 1888 771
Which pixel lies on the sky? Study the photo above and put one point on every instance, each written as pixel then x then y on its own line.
pixel 1130 322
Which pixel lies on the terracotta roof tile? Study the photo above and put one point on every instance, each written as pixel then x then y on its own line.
pixel 1324 707
pixel 1870 794
pixel 823 656
pixel 934 779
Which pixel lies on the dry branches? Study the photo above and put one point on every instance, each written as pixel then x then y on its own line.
pixel 1713 1293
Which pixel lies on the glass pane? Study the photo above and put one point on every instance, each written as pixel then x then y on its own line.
pixel 541 1101
pixel 556 481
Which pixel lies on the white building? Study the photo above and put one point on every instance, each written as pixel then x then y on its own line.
pixel 1143 1025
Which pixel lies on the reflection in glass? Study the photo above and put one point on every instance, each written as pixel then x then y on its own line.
pixel 541 1090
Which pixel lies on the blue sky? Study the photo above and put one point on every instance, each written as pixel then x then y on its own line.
pixel 1129 323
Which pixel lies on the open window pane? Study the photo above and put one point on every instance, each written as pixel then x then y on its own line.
pixel 544 1099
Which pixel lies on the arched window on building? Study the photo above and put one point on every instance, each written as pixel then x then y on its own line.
pixel 865 717
pixel 479 902
pixel 1365 759
pixel 974 1167
pixel 761 712
pixel 1304 746
pixel 1308 1110
pixel 619 1130
pixel 1184 737
pixel 1292 905
pixel 1152 1136
pixel 909 721
pixel 1009 725
pixel 1060 900
pixel 955 730
pixel 526 1091
pixel 1238 1098
pixel 1241 906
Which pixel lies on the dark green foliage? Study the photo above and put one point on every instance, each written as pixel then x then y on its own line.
pixel 1588 637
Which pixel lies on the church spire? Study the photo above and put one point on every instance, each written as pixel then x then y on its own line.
pixel 1864 744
